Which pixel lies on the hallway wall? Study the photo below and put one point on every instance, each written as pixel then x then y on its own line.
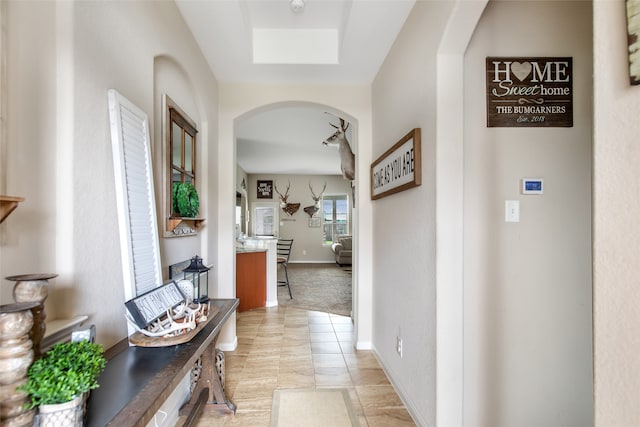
pixel 528 285
pixel 404 224
pixel 308 246
pixel 616 229
pixel 62 59
pixel 528 340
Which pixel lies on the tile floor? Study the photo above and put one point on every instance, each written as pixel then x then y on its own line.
pixel 284 347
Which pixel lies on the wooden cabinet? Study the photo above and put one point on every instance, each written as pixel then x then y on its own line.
pixel 251 279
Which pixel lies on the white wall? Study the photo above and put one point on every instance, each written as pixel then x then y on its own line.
pixel 404 243
pixel 616 233
pixel 62 58
pixel 306 239
pixel 527 335
pixel 528 285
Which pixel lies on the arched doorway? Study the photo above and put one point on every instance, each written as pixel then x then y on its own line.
pixel 280 149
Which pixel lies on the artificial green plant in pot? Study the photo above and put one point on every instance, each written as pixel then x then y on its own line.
pixel 65 373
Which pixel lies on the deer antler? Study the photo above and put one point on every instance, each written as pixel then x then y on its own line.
pixel 314 197
pixel 283 198
pixel 342 126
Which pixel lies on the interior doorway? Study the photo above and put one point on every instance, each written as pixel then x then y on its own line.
pixel 282 144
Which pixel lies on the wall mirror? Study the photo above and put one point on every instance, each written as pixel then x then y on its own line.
pixel 179 135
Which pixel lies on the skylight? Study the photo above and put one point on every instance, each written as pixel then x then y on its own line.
pixel 295 46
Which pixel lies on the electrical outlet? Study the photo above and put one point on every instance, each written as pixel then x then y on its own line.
pixel 399 345
pixel 304 252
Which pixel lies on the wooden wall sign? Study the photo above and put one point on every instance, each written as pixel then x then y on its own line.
pixel 529 92
pixel 265 189
pixel 399 168
pixel 633 31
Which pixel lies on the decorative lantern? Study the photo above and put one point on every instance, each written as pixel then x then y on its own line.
pixel 198 273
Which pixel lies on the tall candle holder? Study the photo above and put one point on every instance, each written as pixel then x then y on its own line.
pixel 16 356
pixel 33 288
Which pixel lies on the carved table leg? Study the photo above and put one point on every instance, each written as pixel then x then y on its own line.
pixel 211 379
pixel 217 399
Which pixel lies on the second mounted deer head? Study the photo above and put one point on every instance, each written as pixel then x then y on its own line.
pixel 347 158
pixel 311 210
pixel 289 208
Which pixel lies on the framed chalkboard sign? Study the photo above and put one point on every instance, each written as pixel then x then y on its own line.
pixel 151 305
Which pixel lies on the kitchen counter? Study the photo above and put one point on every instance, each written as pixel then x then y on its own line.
pixel 257 246
pixel 250 250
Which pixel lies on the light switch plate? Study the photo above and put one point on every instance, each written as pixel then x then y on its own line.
pixel 512 211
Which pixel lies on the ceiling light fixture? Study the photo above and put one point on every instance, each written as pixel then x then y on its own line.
pixel 297 6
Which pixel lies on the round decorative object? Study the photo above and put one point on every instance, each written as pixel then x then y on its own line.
pixel 187 200
pixel 16 355
pixel 187 289
pixel 33 288
pixel 16 320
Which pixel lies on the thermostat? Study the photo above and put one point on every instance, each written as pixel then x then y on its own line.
pixel 532 186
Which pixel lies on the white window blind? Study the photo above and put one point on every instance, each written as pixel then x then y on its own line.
pixel 131 148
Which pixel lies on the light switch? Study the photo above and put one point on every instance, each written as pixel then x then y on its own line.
pixel 512 211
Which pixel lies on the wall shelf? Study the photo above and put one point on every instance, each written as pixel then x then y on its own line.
pixel 8 204
pixel 191 226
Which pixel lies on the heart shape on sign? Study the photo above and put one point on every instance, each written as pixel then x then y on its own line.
pixel 521 70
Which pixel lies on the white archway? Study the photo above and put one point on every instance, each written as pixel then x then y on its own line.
pixel 352 102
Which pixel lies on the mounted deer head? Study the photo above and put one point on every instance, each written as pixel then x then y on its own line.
pixel 347 158
pixel 317 198
pixel 289 208
pixel 283 198
pixel 311 210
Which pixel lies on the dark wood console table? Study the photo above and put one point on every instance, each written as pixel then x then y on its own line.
pixel 137 380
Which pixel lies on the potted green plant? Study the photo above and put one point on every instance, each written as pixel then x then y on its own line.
pixel 62 378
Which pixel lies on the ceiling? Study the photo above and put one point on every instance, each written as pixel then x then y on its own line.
pixel 352 38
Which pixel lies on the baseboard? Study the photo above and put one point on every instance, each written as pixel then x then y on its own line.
pixel 364 345
pixel 407 403
pixel 271 303
pixel 228 346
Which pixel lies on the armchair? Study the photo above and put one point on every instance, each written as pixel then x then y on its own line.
pixel 342 249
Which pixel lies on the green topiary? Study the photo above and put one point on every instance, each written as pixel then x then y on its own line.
pixel 66 371
pixel 187 200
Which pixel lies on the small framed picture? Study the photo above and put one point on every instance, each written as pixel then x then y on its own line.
pixel 264 189
pixel 314 222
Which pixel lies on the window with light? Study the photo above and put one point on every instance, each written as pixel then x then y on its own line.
pixel 335 217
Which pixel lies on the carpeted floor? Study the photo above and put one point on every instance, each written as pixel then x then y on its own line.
pixel 312 408
pixel 318 287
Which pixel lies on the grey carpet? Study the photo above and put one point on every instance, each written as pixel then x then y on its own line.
pixel 318 287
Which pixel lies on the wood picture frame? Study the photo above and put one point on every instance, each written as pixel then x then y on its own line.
pixel 399 168
pixel 264 189
pixel 633 34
